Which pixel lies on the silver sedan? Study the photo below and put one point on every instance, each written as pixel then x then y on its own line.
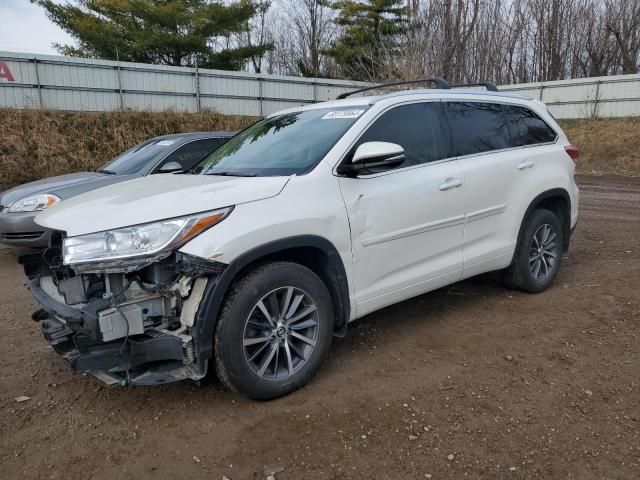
pixel 170 153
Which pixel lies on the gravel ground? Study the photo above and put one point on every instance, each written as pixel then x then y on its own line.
pixel 472 381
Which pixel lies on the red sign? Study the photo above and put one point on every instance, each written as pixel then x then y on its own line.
pixel 5 72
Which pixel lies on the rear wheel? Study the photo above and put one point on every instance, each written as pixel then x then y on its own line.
pixel 538 254
pixel 274 331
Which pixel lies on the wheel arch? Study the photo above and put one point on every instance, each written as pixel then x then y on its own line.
pixel 315 252
pixel 559 202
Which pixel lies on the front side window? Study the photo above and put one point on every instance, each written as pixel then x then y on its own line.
pixel 528 128
pixel 477 127
pixel 288 144
pixel 417 127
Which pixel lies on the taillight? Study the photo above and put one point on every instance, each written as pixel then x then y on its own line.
pixel 572 151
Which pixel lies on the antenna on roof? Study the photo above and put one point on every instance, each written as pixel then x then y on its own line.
pixel 439 82
pixel 490 86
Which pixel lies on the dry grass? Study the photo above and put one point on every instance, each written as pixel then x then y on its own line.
pixel 607 146
pixel 36 144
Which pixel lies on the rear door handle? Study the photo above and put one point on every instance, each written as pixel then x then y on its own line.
pixel 450 183
pixel 526 164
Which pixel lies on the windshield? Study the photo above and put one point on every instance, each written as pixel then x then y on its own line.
pixel 137 158
pixel 292 143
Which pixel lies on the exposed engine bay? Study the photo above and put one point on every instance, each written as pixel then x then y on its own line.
pixel 129 323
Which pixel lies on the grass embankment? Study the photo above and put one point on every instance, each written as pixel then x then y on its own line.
pixel 37 144
pixel 608 146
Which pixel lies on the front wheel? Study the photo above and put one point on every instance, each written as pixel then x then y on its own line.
pixel 274 331
pixel 538 254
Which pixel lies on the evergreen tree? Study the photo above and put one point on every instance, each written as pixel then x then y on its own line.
pixel 369 28
pixel 168 32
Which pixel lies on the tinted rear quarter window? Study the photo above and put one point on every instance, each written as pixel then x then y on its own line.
pixel 415 127
pixel 528 128
pixel 477 127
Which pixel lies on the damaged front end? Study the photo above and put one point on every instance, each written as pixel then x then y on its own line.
pixel 124 323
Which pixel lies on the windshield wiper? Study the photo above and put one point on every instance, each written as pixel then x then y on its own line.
pixel 108 172
pixel 232 174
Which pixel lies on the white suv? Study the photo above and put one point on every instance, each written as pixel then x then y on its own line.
pixel 300 224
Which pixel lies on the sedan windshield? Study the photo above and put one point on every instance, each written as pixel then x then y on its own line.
pixel 292 143
pixel 137 158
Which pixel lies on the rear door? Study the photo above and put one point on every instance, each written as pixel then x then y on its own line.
pixel 488 139
pixel 406 223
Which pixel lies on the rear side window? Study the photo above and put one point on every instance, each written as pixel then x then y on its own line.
pixel 528 128
pixel 416 127
pixel 477 127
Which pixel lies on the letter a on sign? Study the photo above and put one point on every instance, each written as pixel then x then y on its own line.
pixel 5 72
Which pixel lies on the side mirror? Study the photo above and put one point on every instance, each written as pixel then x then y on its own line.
pixel 370 155
pixel 170 167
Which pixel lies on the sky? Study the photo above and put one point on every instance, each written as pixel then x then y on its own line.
pixel 24 27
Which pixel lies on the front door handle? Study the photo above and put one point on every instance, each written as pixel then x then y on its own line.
pixel 450 183
pixel 526 164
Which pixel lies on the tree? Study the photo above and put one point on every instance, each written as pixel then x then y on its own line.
pixel 459 22
pixel 302 31
pixel 624 25
pixel 313 26
pixel 369 31
pixel 598 55
pixel 169 32
pixel 256 33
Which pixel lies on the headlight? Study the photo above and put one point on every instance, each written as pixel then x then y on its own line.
pixel 138 240
pixel 34 203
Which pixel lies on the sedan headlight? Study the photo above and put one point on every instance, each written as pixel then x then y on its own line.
pixel 35 203
pixel 138 240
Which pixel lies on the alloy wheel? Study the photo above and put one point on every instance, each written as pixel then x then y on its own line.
pixel 280 333
pixel 543 252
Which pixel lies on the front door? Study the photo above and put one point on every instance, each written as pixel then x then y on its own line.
pixel 407 224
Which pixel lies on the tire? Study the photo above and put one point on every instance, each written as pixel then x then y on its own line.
pixel 264 357
pixel 522 274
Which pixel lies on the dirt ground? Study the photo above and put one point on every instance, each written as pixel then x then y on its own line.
pixel 472 381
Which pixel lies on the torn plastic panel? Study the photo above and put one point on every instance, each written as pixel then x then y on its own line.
pixel 124 325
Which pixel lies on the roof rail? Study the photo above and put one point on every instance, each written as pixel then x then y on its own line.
pixel 440 83
pixel 490 86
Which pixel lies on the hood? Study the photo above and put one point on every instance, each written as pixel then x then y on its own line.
pixel 152 198
pixel 64 186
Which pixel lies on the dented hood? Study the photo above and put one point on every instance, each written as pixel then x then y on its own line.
pixel 153 198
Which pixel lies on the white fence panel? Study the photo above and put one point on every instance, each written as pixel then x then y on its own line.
pixel 64 83
pixel 614 96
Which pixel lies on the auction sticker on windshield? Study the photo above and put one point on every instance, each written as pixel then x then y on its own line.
pixel 341 114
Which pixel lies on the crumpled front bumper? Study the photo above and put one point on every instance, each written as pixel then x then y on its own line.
pixel 74 333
